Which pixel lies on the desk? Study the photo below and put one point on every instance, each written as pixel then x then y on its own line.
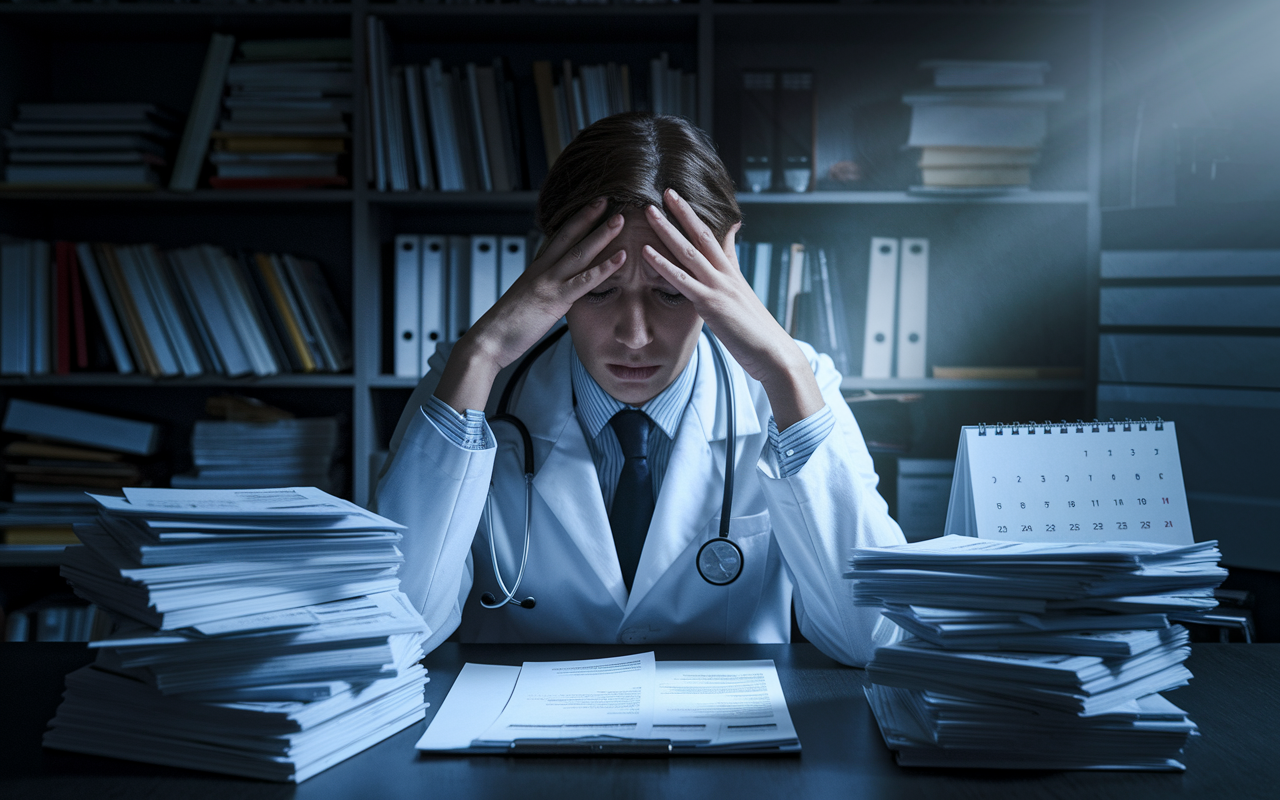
pixel 1235 698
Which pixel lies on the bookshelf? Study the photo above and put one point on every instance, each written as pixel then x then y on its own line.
pixel 1014 273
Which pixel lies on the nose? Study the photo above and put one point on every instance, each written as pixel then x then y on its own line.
pixel 632 327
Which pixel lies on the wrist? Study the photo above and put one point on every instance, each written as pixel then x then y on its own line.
pixel 791 386
pixel 468 376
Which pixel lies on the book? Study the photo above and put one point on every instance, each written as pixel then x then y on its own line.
pixel 545 87
pixel 320 308
pixel 15 302
pixel 102 305
pixel 81 427
pixel 1007 118
pixel 419 132
pixel 203 115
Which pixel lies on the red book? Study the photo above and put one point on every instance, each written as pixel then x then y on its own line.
pixel 78 322
pixel 62 309
pixel 276 183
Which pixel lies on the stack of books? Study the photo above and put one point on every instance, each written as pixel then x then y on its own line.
pixel 58 454
pixel 286 452
pixel 286 116
pixel 983 124
pixel 89 145
pixel 56 618
pixel 260 633
pixel 186 312
pixel 1033 655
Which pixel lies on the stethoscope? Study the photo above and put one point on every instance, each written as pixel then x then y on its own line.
pixel 719 560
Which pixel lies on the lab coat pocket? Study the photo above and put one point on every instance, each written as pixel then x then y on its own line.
pixel 752 535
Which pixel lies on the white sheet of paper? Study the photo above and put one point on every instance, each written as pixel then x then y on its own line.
pixel 475 701
pixel 578 699
pixel 720 702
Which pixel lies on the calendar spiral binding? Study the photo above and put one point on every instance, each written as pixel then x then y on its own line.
pixel 1015 428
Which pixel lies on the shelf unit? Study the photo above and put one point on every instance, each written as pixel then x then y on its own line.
pixel 1036 251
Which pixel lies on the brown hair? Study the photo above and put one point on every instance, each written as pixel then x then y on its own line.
pixel 632 158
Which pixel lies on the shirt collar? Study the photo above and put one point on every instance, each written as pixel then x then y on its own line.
pixel 596 407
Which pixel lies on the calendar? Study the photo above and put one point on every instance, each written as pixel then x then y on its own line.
pixel 1080 482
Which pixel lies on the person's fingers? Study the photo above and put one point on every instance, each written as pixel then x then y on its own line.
pixel 584 281
pixel 688 255
pixel 579 256
pixel 730 251
pixel 574 230
pixel 683 281
pixel 698 232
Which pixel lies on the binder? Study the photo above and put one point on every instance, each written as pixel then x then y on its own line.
pixel 758 107
pixel 913 308
pixel 511 261
pixel 882 279
pixel 795 130
pixel 408 300
pixel 484 276
pixel 434 288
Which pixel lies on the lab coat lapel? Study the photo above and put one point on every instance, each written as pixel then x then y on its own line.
pixel 567 480
pixel 691 493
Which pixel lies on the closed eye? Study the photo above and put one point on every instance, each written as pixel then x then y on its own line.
pixel 596 297
pixel 671 298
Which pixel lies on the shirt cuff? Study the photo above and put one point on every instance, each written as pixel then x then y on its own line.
pixel 464 430
pixel 794 445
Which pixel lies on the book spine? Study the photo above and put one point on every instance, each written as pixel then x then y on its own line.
pixel 278 308
pixel 102 304
pixel 475 117
pixel 545 87
pixel 204 114
pixel 78 320
pixel 193 314
pixel 321 311
pixel 377 96
pixel 62 308
pixel 124 302
pixel 41 307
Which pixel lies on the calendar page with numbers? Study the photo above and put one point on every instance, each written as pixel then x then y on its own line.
pixel 1079 482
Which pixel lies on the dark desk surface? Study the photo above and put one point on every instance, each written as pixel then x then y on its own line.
pixel 1235 698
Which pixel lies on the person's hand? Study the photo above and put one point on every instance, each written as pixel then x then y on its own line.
pixel 534 303
pixel 708 275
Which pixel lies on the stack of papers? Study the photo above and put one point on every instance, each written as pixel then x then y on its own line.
pixel 624 705
pixel 1034 655
pixel 283 452
pixel 260 632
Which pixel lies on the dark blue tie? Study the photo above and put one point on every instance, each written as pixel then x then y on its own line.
pixel 633 499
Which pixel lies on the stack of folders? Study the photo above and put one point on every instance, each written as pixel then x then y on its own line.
pixel 443 285
pixel 285 123
pixel 982 124
pixel 1033 655
pixel 260 633
pixel 89 145
pixel 287 452
pixel 801 286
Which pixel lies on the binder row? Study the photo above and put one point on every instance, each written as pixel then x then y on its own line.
pixel 185 312
pixel 443 284
pixel 1080 425
pixel 894 341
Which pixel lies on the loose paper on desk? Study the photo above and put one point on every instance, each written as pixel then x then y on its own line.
pixel 573 699
pixel 697 705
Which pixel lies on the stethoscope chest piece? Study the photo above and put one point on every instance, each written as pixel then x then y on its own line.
pixel 720 561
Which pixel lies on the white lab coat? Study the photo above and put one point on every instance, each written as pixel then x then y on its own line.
pixel 796 533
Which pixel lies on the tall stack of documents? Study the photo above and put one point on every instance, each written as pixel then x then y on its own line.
pixel 1034 655
pixel 260 632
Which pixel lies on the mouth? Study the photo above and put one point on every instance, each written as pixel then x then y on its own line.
pixel 625 373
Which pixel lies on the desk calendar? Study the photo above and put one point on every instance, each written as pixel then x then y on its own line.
pixel 1080 482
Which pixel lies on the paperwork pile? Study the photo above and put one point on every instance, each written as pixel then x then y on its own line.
pixel 284 452
pixel 261 632
pixel 1034 655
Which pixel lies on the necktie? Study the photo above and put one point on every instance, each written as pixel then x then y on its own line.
pixel 633 499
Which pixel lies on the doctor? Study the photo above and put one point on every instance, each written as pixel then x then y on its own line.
pixel 629 426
